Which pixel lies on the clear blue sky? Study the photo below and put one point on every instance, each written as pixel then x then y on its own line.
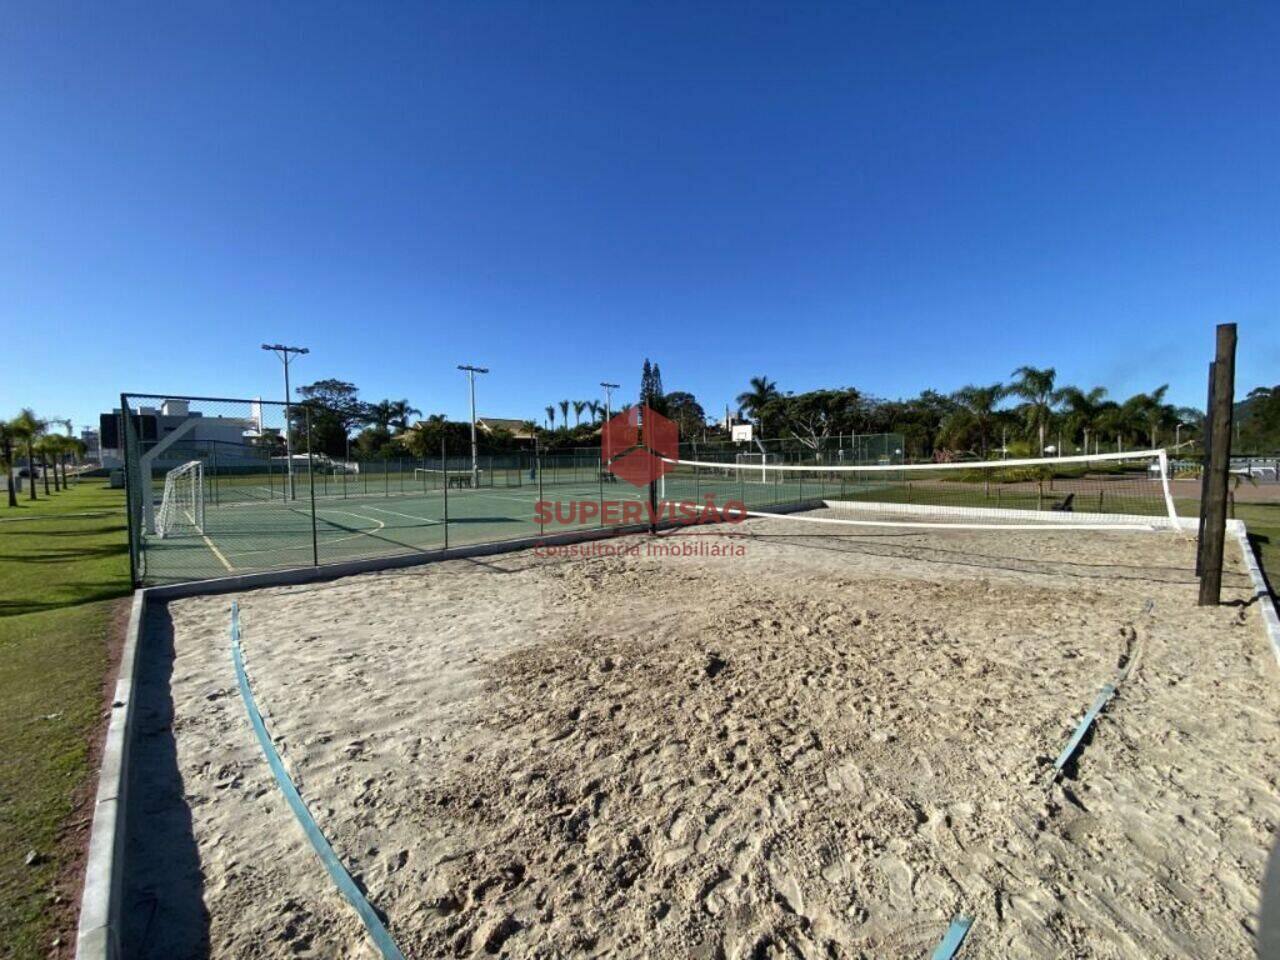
pixel 889 196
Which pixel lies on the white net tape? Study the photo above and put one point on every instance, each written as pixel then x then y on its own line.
pixel 1107 491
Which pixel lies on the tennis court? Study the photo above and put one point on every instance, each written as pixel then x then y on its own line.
pixel 250 526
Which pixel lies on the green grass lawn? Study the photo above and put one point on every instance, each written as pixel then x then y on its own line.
pixel 63 561
pixel 1263 523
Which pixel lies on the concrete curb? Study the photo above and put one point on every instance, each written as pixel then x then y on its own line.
pixel 1270 619
pixel 97 936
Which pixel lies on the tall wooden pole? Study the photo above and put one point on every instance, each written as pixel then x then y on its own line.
pixel 1217 468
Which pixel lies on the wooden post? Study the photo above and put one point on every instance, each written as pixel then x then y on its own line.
pixel 1214 487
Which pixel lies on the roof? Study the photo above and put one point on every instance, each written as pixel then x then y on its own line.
pixel 518 428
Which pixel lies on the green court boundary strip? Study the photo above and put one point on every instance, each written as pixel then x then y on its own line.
pixel 337 872
pixel 1108 691
pixel 953 939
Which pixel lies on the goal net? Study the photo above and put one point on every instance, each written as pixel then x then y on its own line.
pixel 182 506
pixel 1113 491
pixel 760 461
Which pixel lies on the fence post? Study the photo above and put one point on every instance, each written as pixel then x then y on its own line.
pixel 311 477
pixel 444 485
pixel 1214 488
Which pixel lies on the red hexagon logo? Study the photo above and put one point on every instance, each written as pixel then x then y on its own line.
pixel 638 444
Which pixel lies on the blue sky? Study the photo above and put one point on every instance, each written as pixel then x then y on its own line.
pixel 889 196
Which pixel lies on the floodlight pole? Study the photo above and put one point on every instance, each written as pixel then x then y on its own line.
pixel 285 355
pixel 475 460
pixel 608 398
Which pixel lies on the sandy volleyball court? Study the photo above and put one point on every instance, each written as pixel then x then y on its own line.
pixel 827 746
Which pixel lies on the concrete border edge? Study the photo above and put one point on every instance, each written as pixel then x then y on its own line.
pixel 1270 619
pixel 98 930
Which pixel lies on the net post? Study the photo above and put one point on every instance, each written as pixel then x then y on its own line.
pixel 1163 459
pixel 537 466
pixel 1214 488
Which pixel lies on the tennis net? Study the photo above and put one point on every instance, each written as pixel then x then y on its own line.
pixel 1118 490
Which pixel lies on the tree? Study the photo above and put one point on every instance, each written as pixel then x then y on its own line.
pixel 685 410
pixel 1259 418
pixel 754 400
pixel 972 421
pixel 564 413
pixel 47 447
pixel 425 438
pixel 578 407
pixel 1147 412
pixel 1083 412
pixel 6 460
pixel 813 417
pixel 333 408
pixel 26 428
pixel 646 382
pixel 551 414
pixel 391 413
pixel 1036 387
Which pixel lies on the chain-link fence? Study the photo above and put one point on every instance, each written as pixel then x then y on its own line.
pixel 218 487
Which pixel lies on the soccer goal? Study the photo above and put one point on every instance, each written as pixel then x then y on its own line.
pixel 182 506
pixel 756 462
pixel 1109 491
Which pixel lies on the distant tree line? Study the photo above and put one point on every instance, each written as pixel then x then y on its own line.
pixel 1031 414
pixel 28 448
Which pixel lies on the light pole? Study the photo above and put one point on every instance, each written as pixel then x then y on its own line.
pixel 285 354
pixel 608 398
pixel 475 460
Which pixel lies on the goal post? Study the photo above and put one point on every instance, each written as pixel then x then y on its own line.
pixel 182 505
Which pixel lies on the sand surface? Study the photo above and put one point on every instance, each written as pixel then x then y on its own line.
pixel 826 747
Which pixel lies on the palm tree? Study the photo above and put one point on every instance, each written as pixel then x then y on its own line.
pixel 1035 386
pixel 381 414
pixel 47 447
pixel 6 460
pixel 564 413
pixel 26 427
pixel 578 407
pixel 551 414
pixel 977 411
pixel 1151 410
pixel 401 411
pixel 1083 410
pixel 597 410
pixel 753 401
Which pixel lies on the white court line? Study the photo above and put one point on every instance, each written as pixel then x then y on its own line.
pixel 407 516
pixel 307 546
pixel 217 553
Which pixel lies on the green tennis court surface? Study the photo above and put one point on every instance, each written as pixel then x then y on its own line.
pixel 247 529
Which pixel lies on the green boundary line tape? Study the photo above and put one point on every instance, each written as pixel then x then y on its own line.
pixel 953 939
pixel 1083 728
pixel 386 946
